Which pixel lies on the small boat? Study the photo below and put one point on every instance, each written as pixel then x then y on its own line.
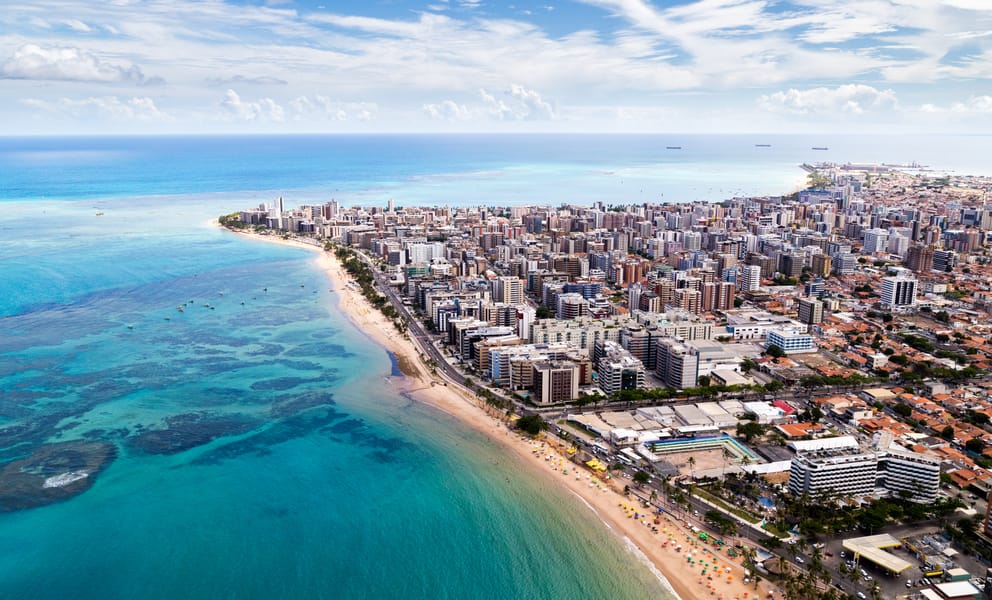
pixel 99 214
pixel 762 145
pixel 673 147
pixel 820 148
pixel 130 326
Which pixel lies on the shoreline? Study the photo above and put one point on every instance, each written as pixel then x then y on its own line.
pixel 546 457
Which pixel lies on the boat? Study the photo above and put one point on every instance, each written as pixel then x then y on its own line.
pixel 762 145
pixel 673 147
pixel 820 148
pixel 99 214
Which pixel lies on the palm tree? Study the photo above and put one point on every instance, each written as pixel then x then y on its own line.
pixel 727 455
pixel 692 467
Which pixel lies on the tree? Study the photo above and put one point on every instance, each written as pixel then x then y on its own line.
pixel 902 409
pixel 532 424
pixel 750 430
pixel 774 385
pixel 974 445
pixel 544 312
pixel 774 351
pixel 703 380
pixel 947 433
pixel 641 477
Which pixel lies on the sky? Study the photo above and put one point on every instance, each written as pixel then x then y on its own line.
pixel 325 66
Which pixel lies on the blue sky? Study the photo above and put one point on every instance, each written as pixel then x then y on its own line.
pixel 149 66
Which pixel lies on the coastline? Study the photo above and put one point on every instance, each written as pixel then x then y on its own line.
pixel 545 457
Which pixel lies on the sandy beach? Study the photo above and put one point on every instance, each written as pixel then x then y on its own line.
pixel 687 564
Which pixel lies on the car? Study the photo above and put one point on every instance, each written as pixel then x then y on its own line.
pixel 829 553
pixel 800 560
pixel 909 583
pixel 862 595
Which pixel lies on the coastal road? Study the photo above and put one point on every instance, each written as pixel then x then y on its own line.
pixel 421 339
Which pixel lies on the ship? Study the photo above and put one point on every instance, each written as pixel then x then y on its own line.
pixel 762 145
pixel 820 148
pixel 673 147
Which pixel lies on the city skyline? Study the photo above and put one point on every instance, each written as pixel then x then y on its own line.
pixel 452 66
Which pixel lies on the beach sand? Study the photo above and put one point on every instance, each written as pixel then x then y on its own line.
pixel 547 458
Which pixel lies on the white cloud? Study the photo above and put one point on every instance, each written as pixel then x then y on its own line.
pixel 324 108
pixel 78 26
pixel 515 103
pixel 31 61
pixel 239 79
pixel 850 99
pixel 534 106
pixel 975 104
pixel 263 109
pixel 448 110
pixel 136 108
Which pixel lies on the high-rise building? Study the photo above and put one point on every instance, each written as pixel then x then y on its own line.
pixel 844 263
pixel 899 291
pixel 750 278
pixel 618 370
pixel 555 382
pixel 810 311
pixel 572 306
pixel 919 258
pixel 508 290
pixel 821 264
pixel 944 260
pixel 791 265
pixel 875 240
pixel 677 364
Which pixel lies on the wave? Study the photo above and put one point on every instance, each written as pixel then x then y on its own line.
pixel 57 481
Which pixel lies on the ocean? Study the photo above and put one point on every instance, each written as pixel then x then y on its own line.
pixel 226 432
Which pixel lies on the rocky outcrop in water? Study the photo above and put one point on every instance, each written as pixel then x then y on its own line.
pixel 52 473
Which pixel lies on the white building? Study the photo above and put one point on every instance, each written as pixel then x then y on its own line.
pixel 833 471
pixel 791 341
pixel 750 278
pixel 899 291
pixel 875 240
pixel 677 364
pixel 837 466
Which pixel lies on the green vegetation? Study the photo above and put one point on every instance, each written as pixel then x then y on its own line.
pixel 818 181
pixel 724 505
pixel 774 351
pixel 750 430
pixel 724 524
pixel 232 220
pixel 531 424
pixel 919 343
pixel 659 394
pixel 362 274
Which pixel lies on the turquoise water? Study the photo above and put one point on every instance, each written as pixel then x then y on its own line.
pixel 256 449
pixel 249 446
